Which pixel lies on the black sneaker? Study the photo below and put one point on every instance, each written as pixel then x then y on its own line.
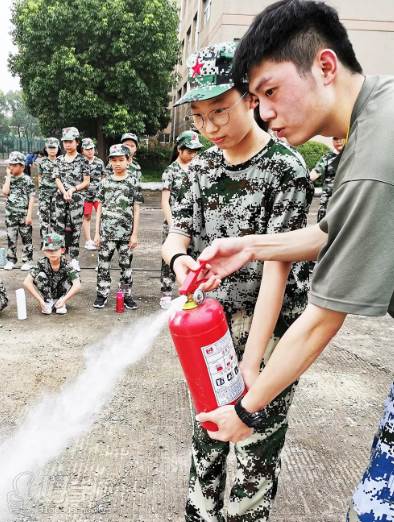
pixel 129 303
pixel 100 302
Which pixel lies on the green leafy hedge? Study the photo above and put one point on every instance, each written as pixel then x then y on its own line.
pixel 312 151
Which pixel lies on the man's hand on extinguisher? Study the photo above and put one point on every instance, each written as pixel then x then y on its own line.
pixel 223 257
pixel 231 428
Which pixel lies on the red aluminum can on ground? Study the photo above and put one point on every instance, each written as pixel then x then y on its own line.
pixel 206 352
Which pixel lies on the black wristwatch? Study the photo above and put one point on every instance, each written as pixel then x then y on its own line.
pixel 257 419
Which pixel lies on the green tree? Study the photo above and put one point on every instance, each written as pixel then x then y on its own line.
pixel 105 66
pixel 20 120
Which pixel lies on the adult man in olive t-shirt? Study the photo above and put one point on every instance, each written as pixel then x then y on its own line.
pixel 308 81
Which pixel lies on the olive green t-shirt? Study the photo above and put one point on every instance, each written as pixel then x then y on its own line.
pixel 355 270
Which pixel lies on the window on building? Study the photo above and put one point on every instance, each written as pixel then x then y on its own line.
pixel 188 41
pixel 206 6
pixel 194 34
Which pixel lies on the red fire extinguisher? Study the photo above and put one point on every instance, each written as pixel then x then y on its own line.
pixel 205 349
pixel 119 303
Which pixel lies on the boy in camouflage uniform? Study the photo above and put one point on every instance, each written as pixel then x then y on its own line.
pixel 116 226
pixel 52 282
pixel 3 296
pixel 250 183
pixel 47 188
pixel 327 167
pixel 97 168
pixel 187 146
pixel 19 191
pixel 72 179
pixel 130 140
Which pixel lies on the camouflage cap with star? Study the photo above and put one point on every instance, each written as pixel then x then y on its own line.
pixel 52 241
pixel 210 72
pixel 118 150
pixel 189 139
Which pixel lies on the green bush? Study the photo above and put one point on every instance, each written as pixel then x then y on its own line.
pixel 153 161
pixel 312 151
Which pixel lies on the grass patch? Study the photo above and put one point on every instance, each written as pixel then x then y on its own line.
pixel 149 175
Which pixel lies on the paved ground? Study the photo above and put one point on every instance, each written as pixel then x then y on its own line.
pixel 133 464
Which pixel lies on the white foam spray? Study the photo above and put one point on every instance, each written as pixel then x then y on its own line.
pixel 60 418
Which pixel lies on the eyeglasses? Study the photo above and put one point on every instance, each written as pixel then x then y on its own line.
pixel 218 117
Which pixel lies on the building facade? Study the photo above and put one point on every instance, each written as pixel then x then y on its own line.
pixel 202 22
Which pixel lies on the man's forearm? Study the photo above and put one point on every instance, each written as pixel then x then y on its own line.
pixel 295 352
pixel 298 245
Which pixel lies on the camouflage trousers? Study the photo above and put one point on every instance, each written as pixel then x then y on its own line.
pixel 167 278
pixel 51 288
pixel 373 499
pixel 47 212
pixel 107 249
pixel 15 226
pixel 68 222
pixel 3 296
pixel 257 458
pixel 322 211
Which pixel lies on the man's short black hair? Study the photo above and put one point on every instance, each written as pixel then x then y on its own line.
pixel 293 30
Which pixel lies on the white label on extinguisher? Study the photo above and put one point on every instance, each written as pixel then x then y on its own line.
pixel 222 365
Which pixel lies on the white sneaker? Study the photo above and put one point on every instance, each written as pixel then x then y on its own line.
pixel 62 310
pixel 165 302
pixel 74 263
pixel 47 310
pixel 9 265
pixel 26 266
pixel 90 245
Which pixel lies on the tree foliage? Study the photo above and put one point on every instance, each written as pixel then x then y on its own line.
pixel 16 121
pixel 104 65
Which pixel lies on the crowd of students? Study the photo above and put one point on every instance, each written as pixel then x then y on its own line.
pixel 70 185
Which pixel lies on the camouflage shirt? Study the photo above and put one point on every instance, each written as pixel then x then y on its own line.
pixel 136 173
pixel 21 190
pixel 269 193
pixel 96 168
pixel 71 173
pixel 46 169
pixel 172 179
pixel 65 272
pixel 134 170
pixel 327 167
pixel 117 197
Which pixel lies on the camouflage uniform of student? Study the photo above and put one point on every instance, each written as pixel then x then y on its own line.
pixel 3 296
pixel 135 172
pixel 172 179
pixel 47 191
pixel 21 190
pixel 53 285
pixel 97 170
pixel 374 496
pixel 69 215
pixel 326 167
pixel 117 198
pixel 270 193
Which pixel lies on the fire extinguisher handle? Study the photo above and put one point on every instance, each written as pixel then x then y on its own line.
pixel 191 283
